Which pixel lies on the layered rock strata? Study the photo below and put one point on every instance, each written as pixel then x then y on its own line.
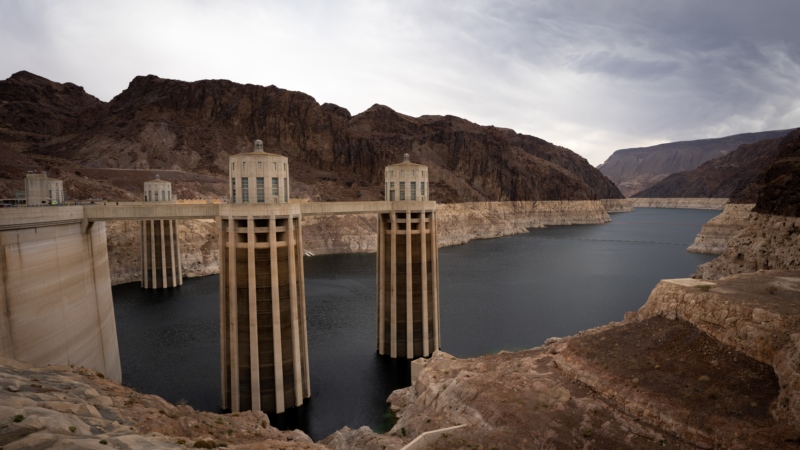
pixel 701 365
pixel 683 203
pixel 615 205
pixel 765 242
pixel 713 237
pixel 757 314
pixel 61 407
pixel 198 241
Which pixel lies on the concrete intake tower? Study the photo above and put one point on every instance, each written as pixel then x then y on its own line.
pixel 408 266
pixel 161 254
pixel 263 337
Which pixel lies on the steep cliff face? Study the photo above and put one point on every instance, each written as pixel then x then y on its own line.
pixel 701 365
pixel 193 127
pixel 779 185
pixel 764 242
pixel 715 234
pixel 768 237
pixel 721 177
pixel 636 169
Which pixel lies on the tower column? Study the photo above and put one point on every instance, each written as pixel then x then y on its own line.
pixel 161 261
pixel 266 307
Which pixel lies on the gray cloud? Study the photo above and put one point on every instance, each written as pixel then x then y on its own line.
pixel 592 76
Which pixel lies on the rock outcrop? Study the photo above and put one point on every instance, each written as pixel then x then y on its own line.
pixel 683 203
pixel 757 314
pixel 713 237
pixel 198 245
pixel 636 169
pixel 63 407
pixel 770 236
pixel 700 365
pixel 765 242
pixel 615 205
pixel 462 222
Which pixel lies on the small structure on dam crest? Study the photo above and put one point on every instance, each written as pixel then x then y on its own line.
pixel 40 190
pixel 264 343
pixel 408 266
pixel 161 253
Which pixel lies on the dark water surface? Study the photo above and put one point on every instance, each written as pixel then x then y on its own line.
pixel 509 293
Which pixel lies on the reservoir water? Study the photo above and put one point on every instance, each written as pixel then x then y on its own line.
pixel 509 293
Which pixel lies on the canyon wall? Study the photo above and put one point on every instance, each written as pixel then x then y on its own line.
pixel 713 237
pixel 765 242
pixel 686 203
pixel 198 241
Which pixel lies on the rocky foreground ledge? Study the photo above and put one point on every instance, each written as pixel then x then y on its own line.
pixel 63 407
pixel 701 365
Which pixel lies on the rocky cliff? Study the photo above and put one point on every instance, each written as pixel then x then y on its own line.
pixel 722 177
pixel 713 237
pixel 763 242
pixel 168 125
pixel 700 365
pixel 636 169
pixel 198 245
pixel 769 237
pixel 683 203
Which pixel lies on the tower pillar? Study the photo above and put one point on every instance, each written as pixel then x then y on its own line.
pixel 407 267
pixel 263 336
pixel 161 256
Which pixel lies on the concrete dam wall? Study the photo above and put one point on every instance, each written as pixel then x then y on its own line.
pixel 55 290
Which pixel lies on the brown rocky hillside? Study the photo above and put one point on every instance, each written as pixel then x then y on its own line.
pixel 636 169
pixel 720 177
pixel 186 131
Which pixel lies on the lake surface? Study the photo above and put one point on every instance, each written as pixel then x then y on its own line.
pixel 499 294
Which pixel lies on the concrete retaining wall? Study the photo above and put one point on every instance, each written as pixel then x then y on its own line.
pixel 55 295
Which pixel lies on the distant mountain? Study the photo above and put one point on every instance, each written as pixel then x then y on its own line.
pixel 636 169
pixel 720 177
pixel 186 131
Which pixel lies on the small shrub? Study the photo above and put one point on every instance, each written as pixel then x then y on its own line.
pixel 219 421
pixel 586 432
pixel 181 441
pixel 104 442
pixel 161 411
pixel 203 443
pixel 772 290
pixel 704 287
pixel 18 418
pixel 403 431
pixel 72 429
pixel 100 375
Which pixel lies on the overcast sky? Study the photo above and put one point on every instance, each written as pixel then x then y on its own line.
pixel 593 76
